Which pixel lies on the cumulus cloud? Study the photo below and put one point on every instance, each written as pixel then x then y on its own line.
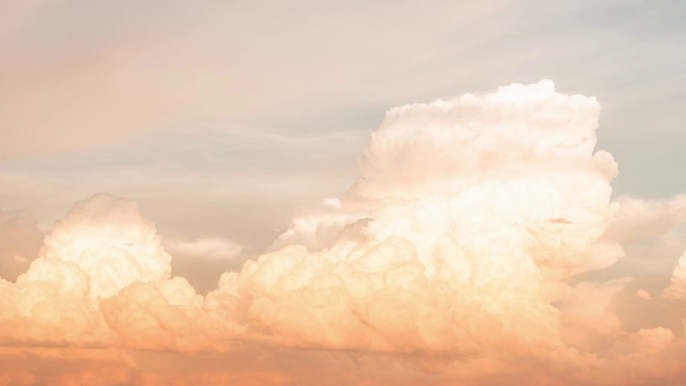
pixel 321 227
pixel 678 288
pixel 110 242
pixel 472 201
pixel 102 279
pixel 512 159
pixel 463 239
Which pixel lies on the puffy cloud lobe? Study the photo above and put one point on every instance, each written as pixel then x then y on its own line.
pixel 109 240
pixel 49 305
pixel 322 227
pixel 165 316
pixel 643 295
pixel 456 143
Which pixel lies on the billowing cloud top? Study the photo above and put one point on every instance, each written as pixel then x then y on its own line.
pixel 461 237
pixel 109 240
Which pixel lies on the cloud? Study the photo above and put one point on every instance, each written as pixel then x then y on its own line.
pixel 587 321
pixel 454 258
pixel 472 200
pixel 102 251
pixel 320 228
pixel 639 220
pixel 678 288
pixel 643 295
pixel 109 241
pixel 514 158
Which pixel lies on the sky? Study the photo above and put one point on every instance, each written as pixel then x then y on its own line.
pixel 359 192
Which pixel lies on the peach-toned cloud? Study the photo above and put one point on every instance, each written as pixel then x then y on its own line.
pixel 639 220
pixel 455 258
pixel 321 227
pixel 678 288
pixel 643 295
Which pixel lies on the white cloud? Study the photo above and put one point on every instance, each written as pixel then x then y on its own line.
pixel 678 288
pixel 643 295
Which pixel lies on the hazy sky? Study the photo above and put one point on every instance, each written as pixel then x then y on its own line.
pixel 236 126
pixel 258 106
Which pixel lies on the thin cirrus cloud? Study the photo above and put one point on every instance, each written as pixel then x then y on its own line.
pixel 458 256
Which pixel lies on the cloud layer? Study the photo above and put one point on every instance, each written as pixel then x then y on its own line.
pixel 455 257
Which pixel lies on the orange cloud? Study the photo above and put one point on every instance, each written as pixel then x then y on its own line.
pixel 454 258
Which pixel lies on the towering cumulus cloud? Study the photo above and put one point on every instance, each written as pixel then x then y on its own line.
pixel 456 257
pixel 478 207
pixel 100 253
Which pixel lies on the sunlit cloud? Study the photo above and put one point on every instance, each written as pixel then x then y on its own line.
pixel 458 256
